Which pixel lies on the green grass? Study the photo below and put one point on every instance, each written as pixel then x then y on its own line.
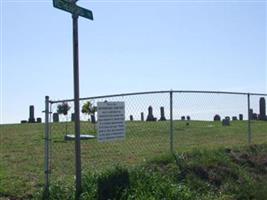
pixel 232 174
pixel 22 149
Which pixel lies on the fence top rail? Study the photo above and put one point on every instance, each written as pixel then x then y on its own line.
pixel 160 92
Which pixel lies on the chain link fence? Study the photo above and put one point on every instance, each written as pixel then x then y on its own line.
pixel 156 123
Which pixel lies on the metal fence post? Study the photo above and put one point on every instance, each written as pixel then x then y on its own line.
pixel 46 161
pixel 171 121
pixel 249 118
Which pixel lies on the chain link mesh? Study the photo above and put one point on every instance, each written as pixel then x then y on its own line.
pixel 200 120
pixel 143 139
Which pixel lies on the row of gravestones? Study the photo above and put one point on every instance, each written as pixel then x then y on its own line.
pixel 226 120
pixel 262 108
pixel 234 118
pixel 150 116
pixel 31 117
pixel 255 116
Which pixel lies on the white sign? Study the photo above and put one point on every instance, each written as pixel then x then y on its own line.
pixel 110 121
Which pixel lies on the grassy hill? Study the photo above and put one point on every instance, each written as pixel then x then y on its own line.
pixel 206 143
pixel 238 173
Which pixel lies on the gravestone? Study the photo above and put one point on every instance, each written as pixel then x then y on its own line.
pixel 142 116
pixel 150 116
pixel 55 117
pixel 240 117
pixel 131 118
pixel 217 118
pixel 234 118
pixel 72 117
pixel 183 118
pixel 31 114
pixel 162 114
pixel 262 115
pixel 23 121
pixel 39 120
pixel 226 122
pixel 254 116
pixel 228 118
pixel 188 118
pixel 250 114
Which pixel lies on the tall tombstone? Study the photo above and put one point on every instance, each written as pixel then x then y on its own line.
pixel 31 114
pixel 131 118
pixel 188 118
pixel 240 117
pixel 250 113
pixel 150 116
pixel 162 114
pixel 262 115
pixel 183 118
pixel 142 116
pixel 55 117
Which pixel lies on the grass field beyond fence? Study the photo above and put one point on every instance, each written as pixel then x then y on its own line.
pixel 22 148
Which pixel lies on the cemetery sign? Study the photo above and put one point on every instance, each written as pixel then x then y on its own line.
pixel 111 121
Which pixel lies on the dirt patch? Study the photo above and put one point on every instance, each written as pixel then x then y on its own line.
pixel 254 161
pixel 215 175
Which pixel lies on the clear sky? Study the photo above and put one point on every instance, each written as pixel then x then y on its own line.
pixel 130 46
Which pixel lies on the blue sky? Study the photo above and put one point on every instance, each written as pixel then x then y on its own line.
pixel 130 46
